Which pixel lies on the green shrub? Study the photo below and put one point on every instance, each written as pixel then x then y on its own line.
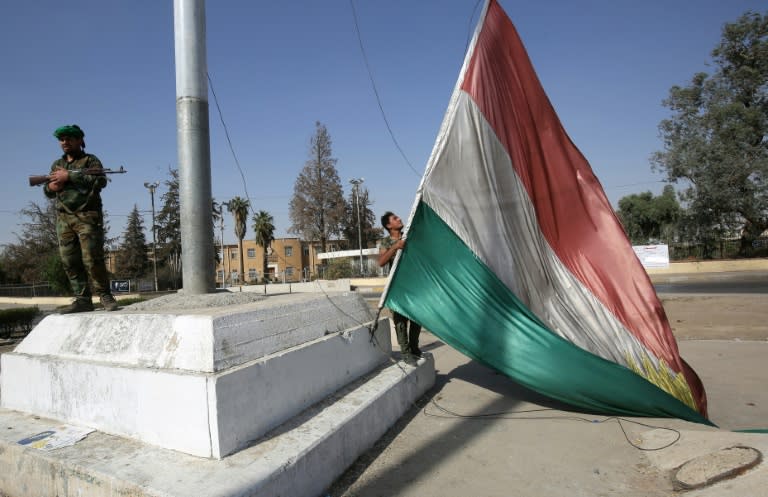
pixel 338 268
pixel 53 271
pixel 17 319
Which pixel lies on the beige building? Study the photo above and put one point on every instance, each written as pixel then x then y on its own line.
pixel 289 260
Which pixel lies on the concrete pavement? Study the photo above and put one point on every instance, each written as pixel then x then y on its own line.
pixel 477 433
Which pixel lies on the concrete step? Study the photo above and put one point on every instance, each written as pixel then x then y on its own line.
pixel 300 458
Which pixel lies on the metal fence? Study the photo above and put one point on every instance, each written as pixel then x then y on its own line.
pixel 718 249
pixel 678 251
pixel 42 289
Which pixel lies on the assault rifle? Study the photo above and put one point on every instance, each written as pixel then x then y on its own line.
pixel 96 171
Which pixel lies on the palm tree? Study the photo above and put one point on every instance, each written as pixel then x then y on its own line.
pixel 263 226
pixel 239 209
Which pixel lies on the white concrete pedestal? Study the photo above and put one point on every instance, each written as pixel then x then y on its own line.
pixel 207 382
pixel 275 397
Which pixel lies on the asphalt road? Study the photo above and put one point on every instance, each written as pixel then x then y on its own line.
pixel 714 283
pixel 732 282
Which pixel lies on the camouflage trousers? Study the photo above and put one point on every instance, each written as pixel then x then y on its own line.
pixel 407 333
pixel 81 245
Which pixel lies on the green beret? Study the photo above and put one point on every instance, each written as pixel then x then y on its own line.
pixel 69 130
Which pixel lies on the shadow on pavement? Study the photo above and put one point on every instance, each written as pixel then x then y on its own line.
pixel 429 454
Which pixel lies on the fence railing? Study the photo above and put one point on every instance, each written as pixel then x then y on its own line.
pixel 42 289
pixel 718 249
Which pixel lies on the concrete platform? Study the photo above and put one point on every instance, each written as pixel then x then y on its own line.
pixel 205 381
pixel 300 458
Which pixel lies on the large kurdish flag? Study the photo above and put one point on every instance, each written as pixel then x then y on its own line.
pixel 515 257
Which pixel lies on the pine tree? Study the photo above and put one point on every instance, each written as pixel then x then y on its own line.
pixel 317 208
pixel 169 231
pixel 369 232
pixel 132 260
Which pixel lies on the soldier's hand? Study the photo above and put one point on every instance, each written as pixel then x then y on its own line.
pixel 59 176
pixel 400 244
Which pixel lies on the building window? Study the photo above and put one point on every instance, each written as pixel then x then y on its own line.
pixel 219 274
pixel 235 276
pixel 252 274
pixel 233 254
pixel 251 253
pixel 306 250
pixel 288 251
pixel 289 272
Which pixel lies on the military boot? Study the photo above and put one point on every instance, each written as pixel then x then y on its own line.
pixel 78 305
pixel 109 302
pixel 413 339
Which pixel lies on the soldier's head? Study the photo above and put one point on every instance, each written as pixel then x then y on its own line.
pixel 390 221
pixel 71 138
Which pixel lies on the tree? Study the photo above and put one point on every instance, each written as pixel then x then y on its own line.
pixel 715 140
pixel 218 215
pixel 239 209
pixel 168 232
pixel 647 219
pixel 264 228
pixel 339 268
pixel 36 242
pixel 54 274
pixel 132 261
pixel 317 208
pixel 369 233
pixel 169 220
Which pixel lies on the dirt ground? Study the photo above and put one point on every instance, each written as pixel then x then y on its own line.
pixel 717 317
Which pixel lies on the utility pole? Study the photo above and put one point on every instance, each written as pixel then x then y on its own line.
pixel 356 182
pixel 152 187
pixel 194 149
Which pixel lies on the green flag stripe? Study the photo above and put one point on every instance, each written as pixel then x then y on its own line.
pixel 442 285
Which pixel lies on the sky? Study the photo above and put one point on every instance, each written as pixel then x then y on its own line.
pixel 278 67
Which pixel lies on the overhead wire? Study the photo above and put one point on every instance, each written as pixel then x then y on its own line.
pixel 229 140
pixel 375 89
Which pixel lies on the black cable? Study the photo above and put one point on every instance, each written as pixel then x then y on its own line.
pixel 469 26
pixel 229 141
pixel 376 91
pixel 512 415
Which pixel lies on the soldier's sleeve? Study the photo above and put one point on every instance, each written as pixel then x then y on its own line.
pixel 88 181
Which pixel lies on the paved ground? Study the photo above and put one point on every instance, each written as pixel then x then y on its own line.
pixel 479 434
pixel 476 433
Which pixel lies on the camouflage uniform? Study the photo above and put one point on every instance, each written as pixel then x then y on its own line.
pixel 80 226
pixel 407 336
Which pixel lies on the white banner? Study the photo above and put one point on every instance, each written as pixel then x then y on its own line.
pixel 653 256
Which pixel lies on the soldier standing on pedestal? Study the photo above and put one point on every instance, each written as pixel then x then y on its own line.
pixel 80 220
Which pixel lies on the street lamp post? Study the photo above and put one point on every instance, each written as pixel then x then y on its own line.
pixel 152 187
pixel 221 225
pixel 356 182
